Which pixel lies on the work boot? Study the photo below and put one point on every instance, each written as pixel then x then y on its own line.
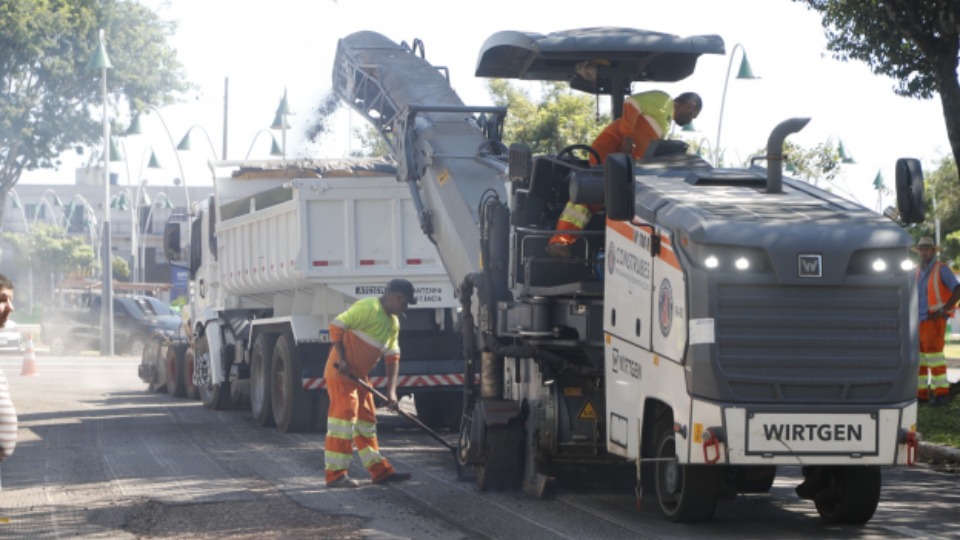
pixel 560 251
pixel 394 478
pixel 343 482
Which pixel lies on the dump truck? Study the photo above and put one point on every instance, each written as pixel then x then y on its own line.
pixel 712 324
pixel 274 255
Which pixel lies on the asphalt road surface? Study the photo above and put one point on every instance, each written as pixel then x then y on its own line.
pixel 100 457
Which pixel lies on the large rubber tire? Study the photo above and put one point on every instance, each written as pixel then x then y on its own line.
pixel 851 495
pixel 685 493
pixel 260 367
pixel 213 396
pixel 756 479
pixel 136 346
pixel 150 357
pixel 174 363
pixel 439 410
pixel 291 403
pixel 189 365
pixel 502 465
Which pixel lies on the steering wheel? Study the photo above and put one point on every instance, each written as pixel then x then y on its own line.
pixel 585 147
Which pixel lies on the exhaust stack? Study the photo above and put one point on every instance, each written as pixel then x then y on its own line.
pixel 775 151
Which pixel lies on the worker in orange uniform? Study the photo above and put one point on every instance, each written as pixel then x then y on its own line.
pixel 360 336
pixel 938 292
pixel 646 117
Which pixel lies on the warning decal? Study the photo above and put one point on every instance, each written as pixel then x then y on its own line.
pixel 587 412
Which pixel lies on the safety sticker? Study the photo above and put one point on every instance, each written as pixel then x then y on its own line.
pixel 587 412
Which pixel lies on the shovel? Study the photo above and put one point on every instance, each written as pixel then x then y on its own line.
pixel 369 388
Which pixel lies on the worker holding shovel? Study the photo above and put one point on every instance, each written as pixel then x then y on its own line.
pixel 362 334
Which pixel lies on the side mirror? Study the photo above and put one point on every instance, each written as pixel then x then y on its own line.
pixel 171 242
pixel 910 190
pixel 619 183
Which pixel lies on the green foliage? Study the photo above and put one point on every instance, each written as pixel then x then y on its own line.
pixel 51 103
pixel 121 269
pixel 50 250
pixel 916 43
pixel 560 117
pixel 371 143
pixel 943 185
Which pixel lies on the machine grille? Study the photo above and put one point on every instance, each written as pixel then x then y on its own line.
pixel 810 344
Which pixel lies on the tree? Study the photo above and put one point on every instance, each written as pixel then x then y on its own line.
pixel 51 102
pixel 914 42
pixel 559 119
pixel 943 186
pixel 48 250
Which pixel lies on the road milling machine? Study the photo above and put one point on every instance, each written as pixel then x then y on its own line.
pixel 712 325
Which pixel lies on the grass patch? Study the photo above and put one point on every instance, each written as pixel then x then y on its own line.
pixel 940 425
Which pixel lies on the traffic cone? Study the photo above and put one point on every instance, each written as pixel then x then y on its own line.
pixel 29 360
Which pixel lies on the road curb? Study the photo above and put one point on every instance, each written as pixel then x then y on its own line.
pixel 938 453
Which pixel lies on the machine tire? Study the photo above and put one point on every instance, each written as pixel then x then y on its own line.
pixel 136 347
pixel 502 466
pixel 190 389
pixel 150 357
pixel 685 493
pixel 260 369
pixel 174 363
pixel 291 404
pixel 213 396
pixel 851 495
pixel 439 410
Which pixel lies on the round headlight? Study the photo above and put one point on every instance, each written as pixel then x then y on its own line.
pixel 879 265
pixel 906 265
pixel 742 263
pixel 711 262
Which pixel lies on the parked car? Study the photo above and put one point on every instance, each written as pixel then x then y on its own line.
pixel 135 318
pixel 10 339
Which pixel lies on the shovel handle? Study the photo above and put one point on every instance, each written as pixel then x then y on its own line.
pixel 369 388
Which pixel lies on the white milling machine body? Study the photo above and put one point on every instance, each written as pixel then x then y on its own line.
pixel 639 353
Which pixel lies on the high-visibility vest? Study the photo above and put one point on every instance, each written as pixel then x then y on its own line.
pixel 937 291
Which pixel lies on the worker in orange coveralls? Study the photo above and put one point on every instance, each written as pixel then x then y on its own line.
pixel 646 117
pixel 938 292
pixel 360 336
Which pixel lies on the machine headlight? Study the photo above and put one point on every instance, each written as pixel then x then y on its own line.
pixel 879 265
pixel 880 261
pixel 711 262
pixel 907 265
pixel 742 263
pixel 726 258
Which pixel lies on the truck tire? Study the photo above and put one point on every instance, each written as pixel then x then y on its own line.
pixel 189 365
pixel 685 493
pixel 213 396
pixel 502 465
pixel 291 404
pixel 174 363
pixel 150 359
pixel 851 494
pixel 260 368
pixel 439 409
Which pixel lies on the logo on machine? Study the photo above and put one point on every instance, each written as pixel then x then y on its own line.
pixel 665 307
pixel 810 265
pixel 611 258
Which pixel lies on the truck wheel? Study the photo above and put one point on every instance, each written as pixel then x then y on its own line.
pixel 685 493
pixel 439 409
pixel 850 494
pixel 174 363
pixel 502 465
pixel 57 346
pixel 756 479
pixel 260 398
pixel 136 347
pixel 151 359
pixel 213 396
pixel 291 404
pixel 189 366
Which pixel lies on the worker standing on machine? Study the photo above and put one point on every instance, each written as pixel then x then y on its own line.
pixel 362 334
pixel 646 117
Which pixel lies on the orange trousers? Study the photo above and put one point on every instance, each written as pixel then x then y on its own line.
pixel 933 364
pixel 352 420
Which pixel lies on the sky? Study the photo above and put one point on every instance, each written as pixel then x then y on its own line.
pixel 265 48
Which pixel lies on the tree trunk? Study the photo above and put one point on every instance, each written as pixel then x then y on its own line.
pixel 950 99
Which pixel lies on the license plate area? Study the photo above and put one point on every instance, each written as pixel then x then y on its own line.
pixel 850 434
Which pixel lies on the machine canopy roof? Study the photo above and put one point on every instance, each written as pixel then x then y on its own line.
pixel 594 60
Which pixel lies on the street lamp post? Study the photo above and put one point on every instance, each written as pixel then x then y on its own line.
pixel 100 61
pixel 280 121
pixel 135 129
pixel 745 72
pixel 274 147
